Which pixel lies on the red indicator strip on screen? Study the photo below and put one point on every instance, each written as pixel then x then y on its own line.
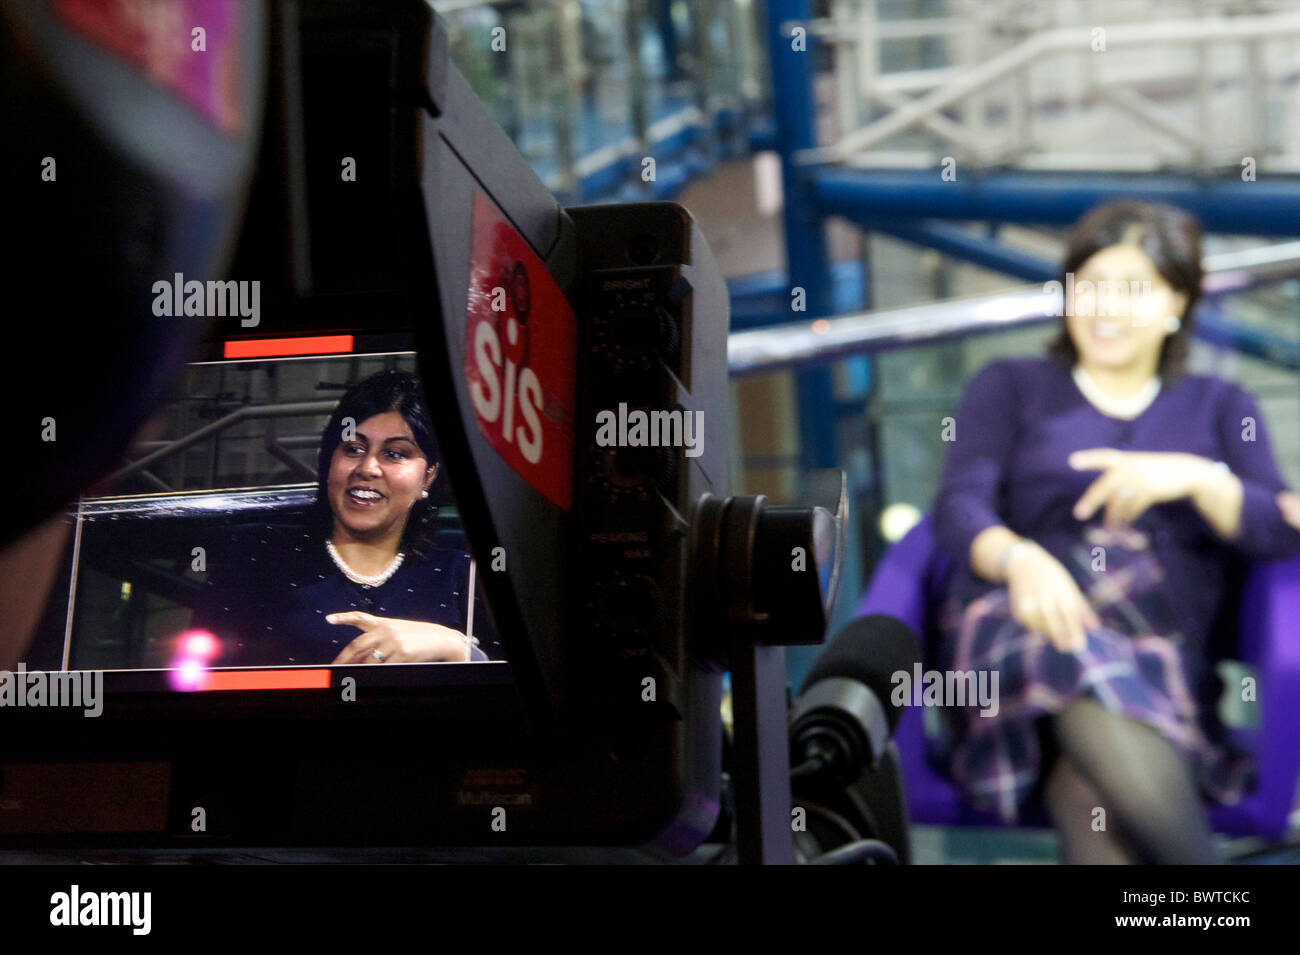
pixel 279 347
pixel 266 680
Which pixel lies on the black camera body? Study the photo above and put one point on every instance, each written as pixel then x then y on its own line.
pixel 574 362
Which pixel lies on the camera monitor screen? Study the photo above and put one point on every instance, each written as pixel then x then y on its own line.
pixel 280 518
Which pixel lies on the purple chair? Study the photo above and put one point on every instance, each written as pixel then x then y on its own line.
pixel 907 585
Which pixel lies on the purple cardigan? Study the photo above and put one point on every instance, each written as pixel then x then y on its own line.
pixel 1018 421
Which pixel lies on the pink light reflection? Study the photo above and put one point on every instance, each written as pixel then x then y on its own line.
pixel 188 674
pixel 189 667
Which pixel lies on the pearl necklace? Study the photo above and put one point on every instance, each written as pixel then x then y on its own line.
pixel 356 578
pixel 1116 407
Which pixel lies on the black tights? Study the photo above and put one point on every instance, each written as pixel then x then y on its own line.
pixel 1153 812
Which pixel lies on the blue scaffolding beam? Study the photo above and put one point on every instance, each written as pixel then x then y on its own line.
pixel 1267 206
pixel 959 243
pixel 806 248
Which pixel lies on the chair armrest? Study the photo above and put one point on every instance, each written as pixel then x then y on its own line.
pixel 1270 606
pixel 1269 640
pixel 899 584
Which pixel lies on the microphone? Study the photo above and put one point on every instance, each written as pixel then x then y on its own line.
pixel 843 718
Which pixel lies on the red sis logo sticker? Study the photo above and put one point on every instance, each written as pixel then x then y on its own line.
pixel 521 340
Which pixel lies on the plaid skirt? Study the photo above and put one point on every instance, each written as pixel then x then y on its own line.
pixel 1132 664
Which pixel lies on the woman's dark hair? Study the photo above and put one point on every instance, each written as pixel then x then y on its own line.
pixel 385 391
pixel 1170 238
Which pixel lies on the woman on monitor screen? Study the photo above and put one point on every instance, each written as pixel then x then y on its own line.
pixel 360 581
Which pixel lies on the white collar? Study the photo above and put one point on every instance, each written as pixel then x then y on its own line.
pixel 1116 407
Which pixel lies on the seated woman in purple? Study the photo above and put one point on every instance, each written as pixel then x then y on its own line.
pixel 1094 502
pixel 360 581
